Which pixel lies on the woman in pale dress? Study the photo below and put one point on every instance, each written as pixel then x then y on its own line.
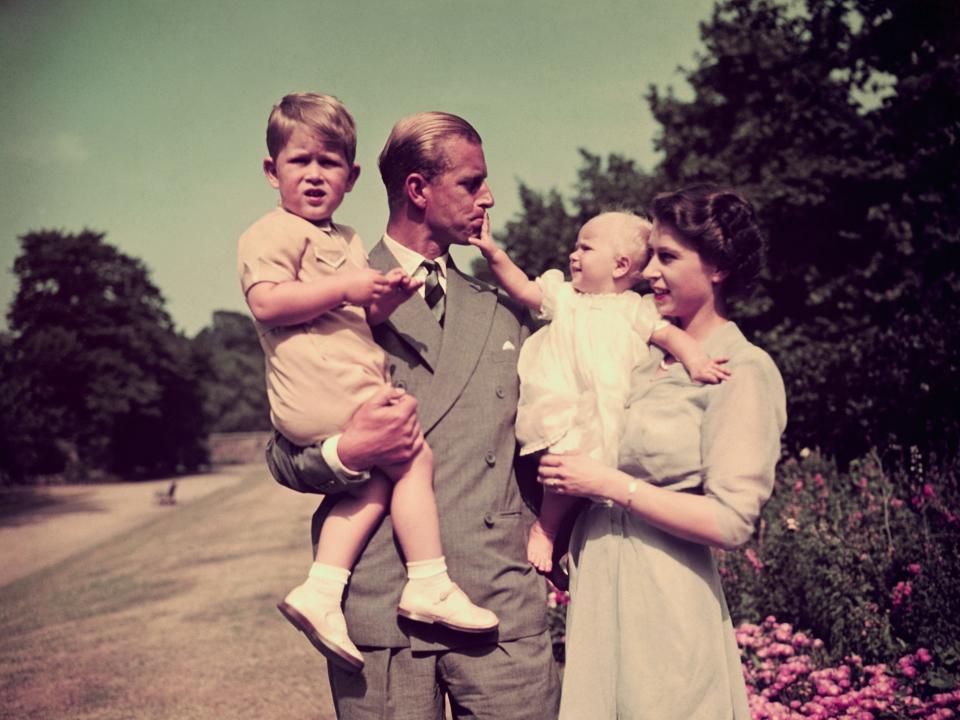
pixel 648 631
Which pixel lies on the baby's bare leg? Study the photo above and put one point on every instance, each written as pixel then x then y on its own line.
pixel 543 532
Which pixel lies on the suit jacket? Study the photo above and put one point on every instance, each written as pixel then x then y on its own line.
pixel 464 376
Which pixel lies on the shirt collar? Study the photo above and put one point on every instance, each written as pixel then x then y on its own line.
pixel 410 259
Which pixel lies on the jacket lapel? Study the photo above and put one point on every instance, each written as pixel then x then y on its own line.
pixel 469 317
pixel 413 322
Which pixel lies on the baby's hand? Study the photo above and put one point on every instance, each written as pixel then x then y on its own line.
pixel 365 286
pixel 485 241
pixel 709 370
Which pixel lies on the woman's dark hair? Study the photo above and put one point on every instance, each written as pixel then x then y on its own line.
pixel 720 224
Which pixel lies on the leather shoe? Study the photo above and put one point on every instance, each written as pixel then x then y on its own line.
pixel 324 626
pixel 450 608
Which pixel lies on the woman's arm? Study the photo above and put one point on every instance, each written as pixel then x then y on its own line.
pixel 511 278
pixel 740 444
pixel 691 517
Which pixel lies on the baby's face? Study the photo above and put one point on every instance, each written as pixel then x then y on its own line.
pixel 594 258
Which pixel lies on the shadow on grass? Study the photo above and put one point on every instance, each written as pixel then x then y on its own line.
pixel 28 505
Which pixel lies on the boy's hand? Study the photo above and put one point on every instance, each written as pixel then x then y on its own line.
pixel 485 241
pixel 400 287
pixel 365 286
pixel 709 370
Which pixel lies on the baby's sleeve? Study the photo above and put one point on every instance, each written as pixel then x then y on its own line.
pixel 551 285
pixel 647 319
pixel 268 252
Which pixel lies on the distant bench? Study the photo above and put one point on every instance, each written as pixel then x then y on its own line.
pixel 168 496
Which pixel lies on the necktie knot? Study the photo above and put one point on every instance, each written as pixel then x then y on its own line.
pixel 432 290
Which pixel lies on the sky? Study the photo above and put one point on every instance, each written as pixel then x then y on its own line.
pixel 145 120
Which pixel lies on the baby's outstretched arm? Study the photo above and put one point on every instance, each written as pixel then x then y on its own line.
pixel 684 348
pixel 511 278
pixel 401 287
pixel 294 302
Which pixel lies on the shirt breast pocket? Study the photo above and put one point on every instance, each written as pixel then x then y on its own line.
pixel 329 258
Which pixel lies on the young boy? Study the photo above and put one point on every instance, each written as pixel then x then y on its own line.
pixel 307 283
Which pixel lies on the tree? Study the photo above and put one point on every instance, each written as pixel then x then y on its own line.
pixel 839 120
pixel 235 398
pixel 102 382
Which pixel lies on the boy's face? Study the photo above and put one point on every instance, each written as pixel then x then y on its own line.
pixel 311 174
pixel 594 258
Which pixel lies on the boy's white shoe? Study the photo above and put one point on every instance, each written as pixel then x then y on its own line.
pixel 323 624
pixel 450 607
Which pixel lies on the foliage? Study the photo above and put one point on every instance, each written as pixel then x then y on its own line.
pixel 865 560
pixel 839 120
pixel 96 378
pixel 234 398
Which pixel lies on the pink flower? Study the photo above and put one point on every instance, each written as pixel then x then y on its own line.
pixel 896 503
pixel 914 568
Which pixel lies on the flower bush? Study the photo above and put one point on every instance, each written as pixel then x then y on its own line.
pixel 866 560
pixel 787 679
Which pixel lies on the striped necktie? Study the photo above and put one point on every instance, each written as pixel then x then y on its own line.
pixel 433 291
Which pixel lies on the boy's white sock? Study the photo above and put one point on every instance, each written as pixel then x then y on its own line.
pixel 329 581
pixel 429 574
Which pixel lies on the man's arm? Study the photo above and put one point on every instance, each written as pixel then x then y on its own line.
pixel 383 431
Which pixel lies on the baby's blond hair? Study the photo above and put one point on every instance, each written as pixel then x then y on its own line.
pixel 631 238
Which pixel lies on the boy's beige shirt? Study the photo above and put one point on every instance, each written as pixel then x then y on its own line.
pixel 319 372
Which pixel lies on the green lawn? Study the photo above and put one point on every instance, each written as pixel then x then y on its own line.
pixel 174 619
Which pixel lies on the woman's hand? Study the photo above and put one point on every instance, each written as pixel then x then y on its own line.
pixel 578 475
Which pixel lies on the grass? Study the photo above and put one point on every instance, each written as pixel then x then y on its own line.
pixel 174 619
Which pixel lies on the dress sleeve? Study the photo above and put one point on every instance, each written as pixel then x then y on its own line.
pixel 740 445
pixel 648 319
pixel 551 285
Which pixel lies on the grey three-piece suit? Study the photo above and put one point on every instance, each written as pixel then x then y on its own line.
pixel 464 377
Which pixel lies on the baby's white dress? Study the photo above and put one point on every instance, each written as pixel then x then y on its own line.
pixel 575 371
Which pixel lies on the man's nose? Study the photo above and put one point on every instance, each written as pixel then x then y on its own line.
pixel 485 198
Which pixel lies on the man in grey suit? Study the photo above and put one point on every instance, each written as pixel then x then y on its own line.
pixel 454 348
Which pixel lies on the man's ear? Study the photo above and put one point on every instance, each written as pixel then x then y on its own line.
pixel 354 174
pixel 270 170
pixel 416 188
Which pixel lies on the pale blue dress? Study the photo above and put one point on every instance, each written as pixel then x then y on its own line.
pixel 648 632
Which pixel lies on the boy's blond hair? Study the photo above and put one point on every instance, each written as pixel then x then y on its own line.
pixel 415 145
pixel 324 116
pixel 631 239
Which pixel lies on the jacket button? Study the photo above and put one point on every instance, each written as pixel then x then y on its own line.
pixel 500 392
pixel 488 519
pixel 400 384
pixel 490 458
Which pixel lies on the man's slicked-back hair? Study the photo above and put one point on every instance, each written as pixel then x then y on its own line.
pixel 324 116
pixel 415 145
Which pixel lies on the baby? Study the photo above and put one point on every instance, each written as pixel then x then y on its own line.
pixel 307 283
pixel 575 371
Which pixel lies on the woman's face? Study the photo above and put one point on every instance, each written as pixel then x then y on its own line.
pixel 683 284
